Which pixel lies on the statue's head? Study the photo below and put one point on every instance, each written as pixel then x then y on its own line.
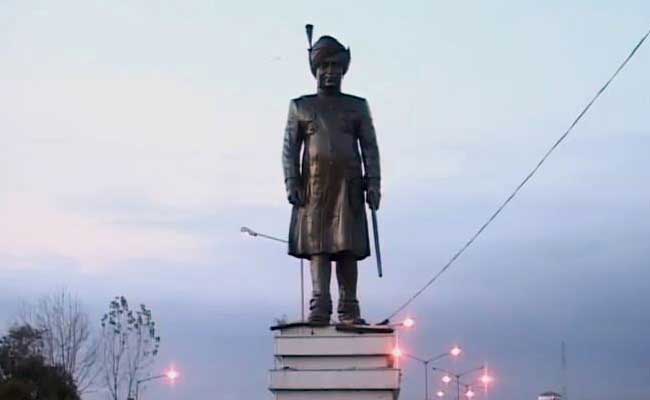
pixel 329 61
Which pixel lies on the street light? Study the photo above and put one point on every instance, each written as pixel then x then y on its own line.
pixel 253 233
pixel 170 374
pixel 486 379
pixel 407 323
pixel 440 393
pixel 425 364
pixel 447 378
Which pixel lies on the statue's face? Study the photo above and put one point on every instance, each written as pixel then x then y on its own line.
pixel 330 73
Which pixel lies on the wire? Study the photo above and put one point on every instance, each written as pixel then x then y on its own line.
pixel 521 185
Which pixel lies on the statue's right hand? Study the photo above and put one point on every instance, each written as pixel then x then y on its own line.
pixel 295 193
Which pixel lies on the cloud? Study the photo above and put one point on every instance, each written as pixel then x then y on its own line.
pixel 153 136
pixel 35 229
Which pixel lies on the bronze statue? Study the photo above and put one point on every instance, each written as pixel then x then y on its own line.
pixel 329 137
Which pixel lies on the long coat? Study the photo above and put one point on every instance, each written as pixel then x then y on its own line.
pixel 329 131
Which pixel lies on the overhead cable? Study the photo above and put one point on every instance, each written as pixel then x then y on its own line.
pixel 521 185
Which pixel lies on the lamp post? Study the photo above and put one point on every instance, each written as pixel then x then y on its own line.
pixel 449 376
pixel 455 352
pixel 256 234
pixel 407 323
pixel 171 374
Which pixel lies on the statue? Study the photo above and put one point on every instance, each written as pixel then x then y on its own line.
pixel 330 158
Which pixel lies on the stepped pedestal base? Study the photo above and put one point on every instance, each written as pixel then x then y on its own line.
pixel 334 363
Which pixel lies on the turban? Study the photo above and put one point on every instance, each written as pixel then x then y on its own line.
pixel 327 47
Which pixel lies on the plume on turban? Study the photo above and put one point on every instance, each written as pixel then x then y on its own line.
pixel 327 47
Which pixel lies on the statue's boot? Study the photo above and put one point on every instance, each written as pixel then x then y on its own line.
pixel 320 305
pixel 348 307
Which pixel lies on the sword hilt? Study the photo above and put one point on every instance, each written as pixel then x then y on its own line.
pixel 309 29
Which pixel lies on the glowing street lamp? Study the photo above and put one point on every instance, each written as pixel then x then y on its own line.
pixel 171 374
pixel 449 376
pixel 486 379
pixel 455 351
pixel 408 323
pixel 440 393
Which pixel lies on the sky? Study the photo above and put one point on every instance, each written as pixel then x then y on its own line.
pixel 136 138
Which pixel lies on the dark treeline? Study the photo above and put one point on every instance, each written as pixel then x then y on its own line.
pixel 54 351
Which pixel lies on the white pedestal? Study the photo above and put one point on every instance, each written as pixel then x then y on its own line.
pixel 325 363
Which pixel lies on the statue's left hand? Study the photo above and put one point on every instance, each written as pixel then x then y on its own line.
pixel 295 192
pixel 373 196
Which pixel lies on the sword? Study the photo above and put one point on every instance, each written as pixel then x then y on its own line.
pixel 375 232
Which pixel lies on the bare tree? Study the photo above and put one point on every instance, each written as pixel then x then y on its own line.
pixel 129 345
pixel 67 338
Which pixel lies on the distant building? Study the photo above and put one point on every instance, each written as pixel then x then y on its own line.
pixel 549 396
